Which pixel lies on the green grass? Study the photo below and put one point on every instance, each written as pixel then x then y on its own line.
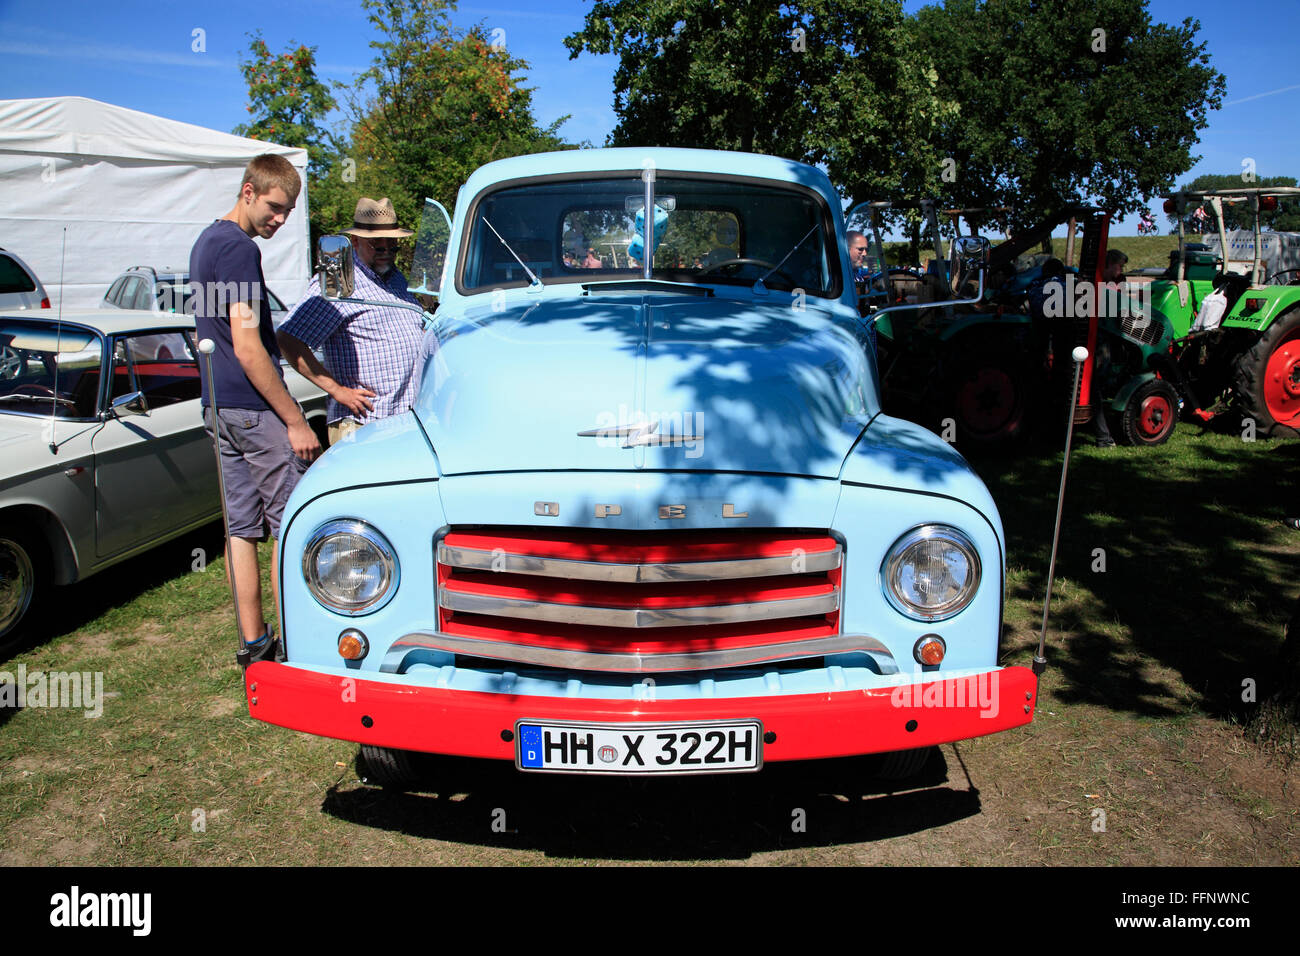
pixel 1140 706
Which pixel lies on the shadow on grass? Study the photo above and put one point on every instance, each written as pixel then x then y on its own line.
pixel 728 817
pixel 1198 570
pixel 69 608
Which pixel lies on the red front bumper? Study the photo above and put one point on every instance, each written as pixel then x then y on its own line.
pixel 410 717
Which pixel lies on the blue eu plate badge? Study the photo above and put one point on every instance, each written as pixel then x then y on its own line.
pixel 530 745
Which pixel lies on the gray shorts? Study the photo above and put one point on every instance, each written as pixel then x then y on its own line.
pixel 259 468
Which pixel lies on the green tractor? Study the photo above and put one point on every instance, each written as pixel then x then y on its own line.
pixel 964 371
pixel 985 373
pixel 1232 313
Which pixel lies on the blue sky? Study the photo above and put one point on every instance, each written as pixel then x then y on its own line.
pixel 138 54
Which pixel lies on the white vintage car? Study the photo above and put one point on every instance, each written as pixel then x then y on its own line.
pixel 103 453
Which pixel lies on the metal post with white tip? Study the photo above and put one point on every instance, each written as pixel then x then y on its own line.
pixel 207 347
pixel 1080 355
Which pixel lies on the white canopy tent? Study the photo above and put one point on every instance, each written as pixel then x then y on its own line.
pixel 132 189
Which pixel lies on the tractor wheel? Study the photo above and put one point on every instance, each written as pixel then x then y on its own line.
pixel 990 399
pixel 1267 379
pixel 1150 415
pixel 902 764
pixel 23 574
pixel 391 769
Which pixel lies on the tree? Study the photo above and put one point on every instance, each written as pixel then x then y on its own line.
pixel 1286 218
pixel 436 104
pixel 1067 101
pixel 287 101
pixel 833 82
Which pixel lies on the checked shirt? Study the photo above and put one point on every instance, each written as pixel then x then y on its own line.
pixel 370 346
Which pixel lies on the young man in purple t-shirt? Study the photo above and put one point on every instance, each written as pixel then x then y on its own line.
pixel 264 440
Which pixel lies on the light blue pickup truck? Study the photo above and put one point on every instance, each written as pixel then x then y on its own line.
pixel 646 516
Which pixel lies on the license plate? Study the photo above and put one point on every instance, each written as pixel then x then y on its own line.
pixel 674 748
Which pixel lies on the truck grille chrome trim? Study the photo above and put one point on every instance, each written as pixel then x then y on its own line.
pixel 625 573
pixel 636 662
pixel 636 617
pixel 621 598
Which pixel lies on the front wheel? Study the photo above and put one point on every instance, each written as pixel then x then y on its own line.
pixel 393 769
pixel 902 764
pixel 1151 414
pixel 1267 379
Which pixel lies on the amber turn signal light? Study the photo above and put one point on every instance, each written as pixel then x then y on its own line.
pixel 353 645
pixel 929 650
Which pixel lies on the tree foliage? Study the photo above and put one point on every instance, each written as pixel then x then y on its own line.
pixel 1017 103
pixel 1067 101
pixel 435 104
pixel 287 101
pixel 1286 218
pixel 839 83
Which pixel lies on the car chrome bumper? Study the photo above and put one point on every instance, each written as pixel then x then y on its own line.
pixel 796 726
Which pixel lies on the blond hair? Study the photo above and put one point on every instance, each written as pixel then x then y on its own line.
pixel 267 171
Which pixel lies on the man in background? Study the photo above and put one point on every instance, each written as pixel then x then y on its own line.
pixel 370 349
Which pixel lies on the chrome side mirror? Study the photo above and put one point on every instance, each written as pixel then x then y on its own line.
pixel 334 267
pixel 968 257
pixel 126 405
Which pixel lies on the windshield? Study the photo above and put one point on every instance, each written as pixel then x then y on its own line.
pixel 705 230
pixel 44 369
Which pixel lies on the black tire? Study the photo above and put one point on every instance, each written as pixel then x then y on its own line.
pixel 990 399
pixel 903 764
pixel 1268 398
pixel 394 769
pixel 1150 414
pixel 24 573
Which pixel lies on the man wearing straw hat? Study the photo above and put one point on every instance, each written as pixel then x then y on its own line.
pixel 370 350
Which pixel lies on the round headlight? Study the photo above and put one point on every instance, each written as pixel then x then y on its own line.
pixel 931 573
pixel 350 567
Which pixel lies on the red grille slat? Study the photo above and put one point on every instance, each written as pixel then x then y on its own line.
pixel 614 639
pixel 667 546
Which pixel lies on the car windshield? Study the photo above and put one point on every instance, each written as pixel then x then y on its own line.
pixel 44 368
pixel 705 230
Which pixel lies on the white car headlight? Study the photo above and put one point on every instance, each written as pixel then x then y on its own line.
pixel 350 567
pixel 931 573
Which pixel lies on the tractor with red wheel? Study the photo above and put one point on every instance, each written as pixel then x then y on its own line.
pixel 971 372
pixel 1234 312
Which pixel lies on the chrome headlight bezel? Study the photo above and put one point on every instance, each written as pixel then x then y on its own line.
pixel 373 537
pixel 893 563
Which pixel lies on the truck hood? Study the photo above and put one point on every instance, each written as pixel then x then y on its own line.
pixel 655 381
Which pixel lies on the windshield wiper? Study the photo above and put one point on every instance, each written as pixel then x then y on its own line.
pixel 14 397
pixel 777 267
pixel 533 280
